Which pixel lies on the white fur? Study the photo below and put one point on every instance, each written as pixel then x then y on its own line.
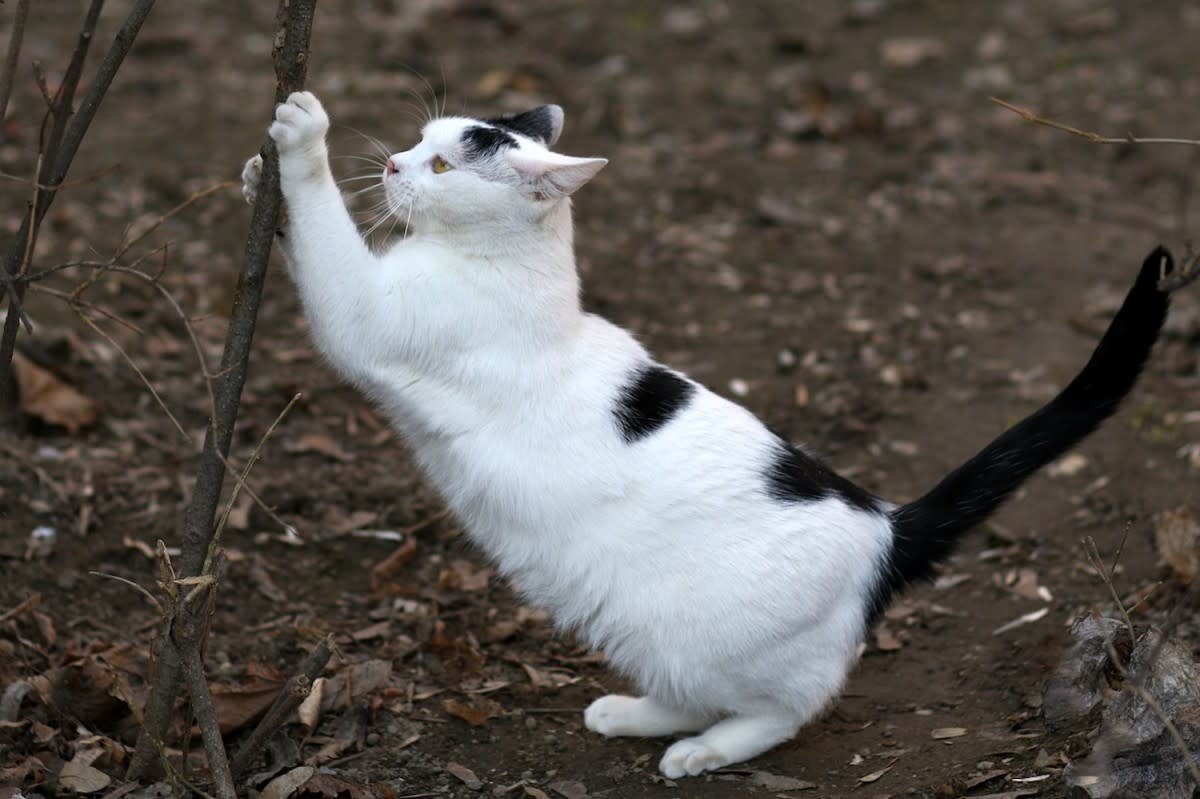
pixel 731 612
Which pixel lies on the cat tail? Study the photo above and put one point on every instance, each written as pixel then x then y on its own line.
pixel 924 531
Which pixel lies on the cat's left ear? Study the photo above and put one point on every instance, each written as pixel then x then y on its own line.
pixel 544 123
pixel 553 174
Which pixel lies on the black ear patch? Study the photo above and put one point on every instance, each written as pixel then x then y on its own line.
pixel 481 142
pixel 542 123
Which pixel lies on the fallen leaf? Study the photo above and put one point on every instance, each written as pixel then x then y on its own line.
pixel 465 576
pixel 239 705
pixel 464 775
pixel 309 711
pixel 1028 618
pixel 476 712
pixel 351 684
pixel 321 444
pixel 1067 466
pixel 285 785
pixel 46 397
pixel 875 775
pixel 82 778
pixel 943 733
pixel 1177 539
pixel 569 789
pixel 885 639
pixel 536 793
pixel 775 782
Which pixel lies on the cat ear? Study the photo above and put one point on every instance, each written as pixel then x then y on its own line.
pixel 553 174
pixel 544 123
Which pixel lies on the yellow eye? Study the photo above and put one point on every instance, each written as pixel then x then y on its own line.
pixel 440 166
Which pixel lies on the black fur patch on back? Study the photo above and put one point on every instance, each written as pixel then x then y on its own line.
pixel 481 142
pixel 649 400
pixel 536 124
pixel 796 476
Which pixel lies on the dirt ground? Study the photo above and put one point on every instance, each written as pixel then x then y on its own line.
pixel 811 207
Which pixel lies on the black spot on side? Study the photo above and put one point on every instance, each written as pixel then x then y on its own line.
pixel 796 476
pixel 536 124
pixel 649 400
pixel 482 142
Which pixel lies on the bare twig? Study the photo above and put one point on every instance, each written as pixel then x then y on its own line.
pixel 9 71
pixel 1096 138
pixel 189 631
pixel 58 162
pixel 291 62
pixel 290 698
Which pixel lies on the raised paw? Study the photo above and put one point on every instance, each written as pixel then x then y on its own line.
pixel 690 757
pixel 300 125
pixel 251 178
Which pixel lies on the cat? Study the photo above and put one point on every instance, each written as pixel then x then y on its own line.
pixel 730 575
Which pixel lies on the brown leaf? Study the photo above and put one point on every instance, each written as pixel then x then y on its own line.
pixel 776 782
pixel 943 733
pixel 464 775
pixel 82 778
pixel 536 793
pixel 242 704
pixel 321 444
pixel 46 397
pixel 875 775
pixel 476 712
pixel 384 571
pixel 330 786
pixel 1177 538
pixel 465 576
pixel 351 684
pixel 886 640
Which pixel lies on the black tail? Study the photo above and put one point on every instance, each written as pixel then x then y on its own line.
pixel 927 529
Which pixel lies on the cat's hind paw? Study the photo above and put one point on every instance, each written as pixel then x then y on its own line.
pixel 252 178
pixel 690 757
pixel 300 125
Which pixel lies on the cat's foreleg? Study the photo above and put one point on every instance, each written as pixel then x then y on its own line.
pixel 731 740
pixel 639 717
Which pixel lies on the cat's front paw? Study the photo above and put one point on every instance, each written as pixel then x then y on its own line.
pixel 690 757
pixel 300 126
pixel 252 178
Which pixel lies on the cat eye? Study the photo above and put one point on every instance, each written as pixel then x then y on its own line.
pixel 439 165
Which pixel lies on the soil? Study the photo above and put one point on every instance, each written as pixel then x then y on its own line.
pixel 811 207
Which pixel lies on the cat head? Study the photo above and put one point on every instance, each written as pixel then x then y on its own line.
pixel 495 172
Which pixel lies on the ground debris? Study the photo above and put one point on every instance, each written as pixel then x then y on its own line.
pixel 1143 707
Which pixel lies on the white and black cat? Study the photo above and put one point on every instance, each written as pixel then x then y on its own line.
pixel 730 575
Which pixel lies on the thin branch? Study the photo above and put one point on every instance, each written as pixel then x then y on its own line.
pixel 59 164
pixel 188 632
pixel 9 71
pixel 294 18
pixel 1091 136
pixel 290 698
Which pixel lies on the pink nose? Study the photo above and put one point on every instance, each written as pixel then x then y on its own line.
pixel 390 168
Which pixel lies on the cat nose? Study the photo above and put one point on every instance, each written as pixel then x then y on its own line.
pixel 389 168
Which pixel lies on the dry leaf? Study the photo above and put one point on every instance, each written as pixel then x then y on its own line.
pixel 465 576
pixel 775 782
pixel 351 684
pixel 875 775
pixel 240 705
pixel 885 640
pixel 1177 538
pixel 464 775
pixel 82 778
pixel 321 444
pixel 536 793
pixel 309 711
pixel 1067 466
pixel 285 785
pixel 943 733
pixel 476 712
pixel 1028 618
pixel 45 397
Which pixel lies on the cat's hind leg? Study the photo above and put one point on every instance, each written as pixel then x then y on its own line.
pixel 731 740
pixel 639 717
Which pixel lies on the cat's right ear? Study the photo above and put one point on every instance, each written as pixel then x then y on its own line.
pixel 553 174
